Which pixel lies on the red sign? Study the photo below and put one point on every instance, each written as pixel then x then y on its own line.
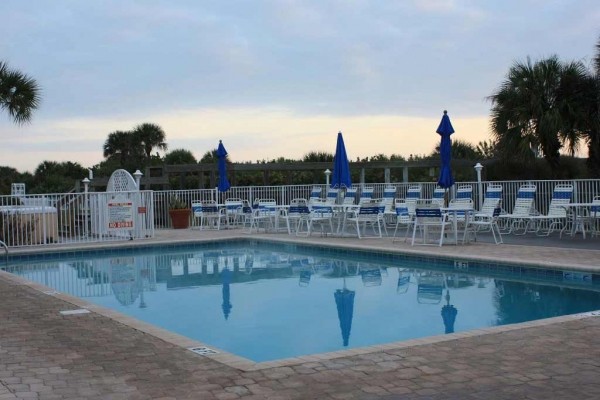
pixel 141 210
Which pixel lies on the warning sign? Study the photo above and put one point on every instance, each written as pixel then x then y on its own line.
pixel 120 214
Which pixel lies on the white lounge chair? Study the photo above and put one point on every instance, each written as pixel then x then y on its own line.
pixel 297 210
pixel 404 218
pixel 332 195
pixel 556 218
pixel 350 197
pixel 366 194
pixel 523 209
pixel 438 197
pixel 208 215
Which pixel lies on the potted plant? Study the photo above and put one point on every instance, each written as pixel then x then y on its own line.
pixel 179 212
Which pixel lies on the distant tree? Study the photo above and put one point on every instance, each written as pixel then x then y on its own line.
pixel 179 157
pixel 318 156
pixel 461 150
pixel 56 177
pixel 149 137
pixel 209 157
pixel 19 94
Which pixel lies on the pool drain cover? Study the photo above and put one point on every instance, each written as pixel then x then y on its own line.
pixel 75 312
pixel 203 351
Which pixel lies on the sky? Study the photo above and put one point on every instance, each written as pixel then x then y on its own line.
pixel 273 78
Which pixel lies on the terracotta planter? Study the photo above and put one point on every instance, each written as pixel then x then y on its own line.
pixel 180 218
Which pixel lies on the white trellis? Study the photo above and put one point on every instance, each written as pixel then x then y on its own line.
pixel 135 216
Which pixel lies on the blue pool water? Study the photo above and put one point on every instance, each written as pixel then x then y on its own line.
pixel 265 301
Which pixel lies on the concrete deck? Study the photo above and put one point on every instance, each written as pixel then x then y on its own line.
pixel 104 355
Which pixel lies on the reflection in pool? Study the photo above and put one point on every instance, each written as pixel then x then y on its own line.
pixel 269 302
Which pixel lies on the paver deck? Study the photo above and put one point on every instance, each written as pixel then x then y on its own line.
pixel 46 355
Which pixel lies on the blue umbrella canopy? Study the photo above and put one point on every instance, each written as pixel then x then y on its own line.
pixel 341 167
pixel 445 130
pixel 344 300
pixel 226 279
pixel 223 182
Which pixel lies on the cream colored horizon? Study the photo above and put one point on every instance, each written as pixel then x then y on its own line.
pixel 249 134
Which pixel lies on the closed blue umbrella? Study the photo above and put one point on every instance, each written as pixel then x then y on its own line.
pixel 445 130
pixel 226 279
pixel 449 315
pixel 344 300
pixel 223 182
pixel 341 167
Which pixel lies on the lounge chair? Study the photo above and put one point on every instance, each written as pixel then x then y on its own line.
pixel 439 196
pixel 315 194
pixel 332 195
pixel 264 214
pixel 523 209
pixel 366 194
pixel 233 211
pixel 350 197
pixel 556 218
pixel 491 200
pixel 389 193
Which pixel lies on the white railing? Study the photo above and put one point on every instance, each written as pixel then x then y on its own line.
pixel 32 220
pixel 29 220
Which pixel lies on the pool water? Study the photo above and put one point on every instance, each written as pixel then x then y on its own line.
pixel 266 301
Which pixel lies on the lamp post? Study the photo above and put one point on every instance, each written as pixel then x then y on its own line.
pixel 478 167
pixel 327 175
pixel 138 177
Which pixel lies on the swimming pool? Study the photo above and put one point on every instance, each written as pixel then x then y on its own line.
pixel 266 301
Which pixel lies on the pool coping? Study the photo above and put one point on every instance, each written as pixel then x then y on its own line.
pixel 245 364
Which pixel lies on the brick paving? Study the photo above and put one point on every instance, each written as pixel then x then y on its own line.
pixel 45 355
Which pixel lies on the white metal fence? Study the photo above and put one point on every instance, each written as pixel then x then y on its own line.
pixel 584 191
pixel 31 220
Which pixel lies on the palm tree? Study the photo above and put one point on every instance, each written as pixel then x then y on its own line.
pixel 149 136
pixel 531 109
pixel 119 144
pixel 19 94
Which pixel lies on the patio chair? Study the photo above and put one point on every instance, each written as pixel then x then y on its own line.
pixel 264 214
pixel 556 218
pixel 523 209
pixel 366 194
pixel 481 222
pixel 428 218
pixel 367 215
pixel 297 210
pixel 208 214
pixel 233 211
pixel 321 214
pixel 404 218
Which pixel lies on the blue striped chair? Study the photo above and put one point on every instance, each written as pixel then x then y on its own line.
pixel 368 215
pixel 556 218
pixel 366 194
pixel 350 197
pixel 429 217
pixel 332 195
